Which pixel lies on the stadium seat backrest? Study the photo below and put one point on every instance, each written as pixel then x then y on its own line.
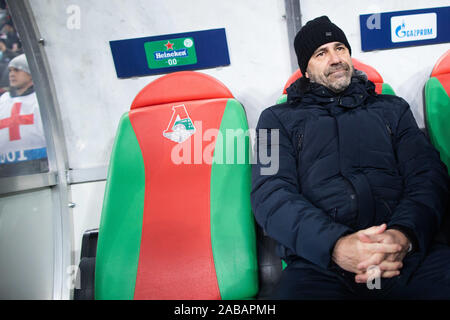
pixel 176 220
pixel 437 107
pixel 380 86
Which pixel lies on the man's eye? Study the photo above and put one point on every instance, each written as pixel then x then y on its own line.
pixel 319 54
pixel 340 48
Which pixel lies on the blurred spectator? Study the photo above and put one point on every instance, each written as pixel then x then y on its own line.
pixel 22 142
pixel 6 55
pixel 10 36
pixel 10 45
pixel 4 14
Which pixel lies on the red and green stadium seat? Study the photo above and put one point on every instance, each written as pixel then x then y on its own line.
pixel 437 107
pixel 172 230
pixel 380 86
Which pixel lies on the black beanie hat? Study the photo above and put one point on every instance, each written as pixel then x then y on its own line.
pixel 314 34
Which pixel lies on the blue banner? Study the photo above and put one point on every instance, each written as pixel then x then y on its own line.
pixel 170 53
pixel 404 28
pixel 23 155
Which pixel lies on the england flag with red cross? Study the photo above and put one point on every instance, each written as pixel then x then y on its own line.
pixel 21 133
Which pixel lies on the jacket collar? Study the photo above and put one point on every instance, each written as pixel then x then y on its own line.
pixel 13 92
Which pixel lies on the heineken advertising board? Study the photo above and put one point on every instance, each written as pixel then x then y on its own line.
pixel 397 29
pixel 170 53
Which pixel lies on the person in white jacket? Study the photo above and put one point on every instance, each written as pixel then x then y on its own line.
pixel 22 142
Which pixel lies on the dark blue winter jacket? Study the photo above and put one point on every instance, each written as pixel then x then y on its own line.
pixel 347 162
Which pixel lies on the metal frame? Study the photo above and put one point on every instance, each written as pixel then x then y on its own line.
pixel 87 175
pixel 56 179
pixel 294 23
pixel 24 183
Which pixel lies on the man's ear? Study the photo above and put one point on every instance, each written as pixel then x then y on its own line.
pixel 306 74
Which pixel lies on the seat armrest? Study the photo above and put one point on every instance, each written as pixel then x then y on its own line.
pixel 89 244
pixel 269 265
pixel 86 270
pixel 86 279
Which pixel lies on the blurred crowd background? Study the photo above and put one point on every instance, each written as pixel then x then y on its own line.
pixel 10 45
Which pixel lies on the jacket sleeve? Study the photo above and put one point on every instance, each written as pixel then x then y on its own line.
pixel 279 207
pixel 425 179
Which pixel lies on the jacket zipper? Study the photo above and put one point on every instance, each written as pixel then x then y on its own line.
pixel 386 205
pixel 334 213
pixel 300 137
pixel 300 142
pixel 389 129
pixel 298 154
pixel 391 135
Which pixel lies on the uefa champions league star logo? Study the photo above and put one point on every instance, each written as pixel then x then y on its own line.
pixel 180 126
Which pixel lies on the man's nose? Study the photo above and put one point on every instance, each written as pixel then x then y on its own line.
pixel 334 58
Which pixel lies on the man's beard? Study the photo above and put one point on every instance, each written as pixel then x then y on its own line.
pixel 337 85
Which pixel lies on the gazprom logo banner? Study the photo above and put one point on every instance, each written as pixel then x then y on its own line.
pixel 414 27
pixel 397 29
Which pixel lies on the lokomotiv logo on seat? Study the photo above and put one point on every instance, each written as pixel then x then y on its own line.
pixel 180 126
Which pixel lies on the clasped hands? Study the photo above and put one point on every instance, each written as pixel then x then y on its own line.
pixel 361 251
